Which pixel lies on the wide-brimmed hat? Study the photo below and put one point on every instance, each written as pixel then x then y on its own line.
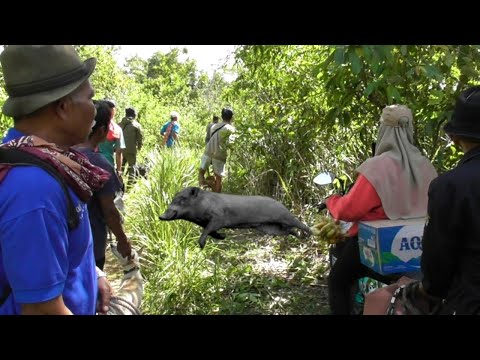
pixel 36 75
pixel 465 120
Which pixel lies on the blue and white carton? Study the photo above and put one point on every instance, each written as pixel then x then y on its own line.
pixel 389 247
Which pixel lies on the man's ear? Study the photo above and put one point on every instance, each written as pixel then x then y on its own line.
pixel 62 106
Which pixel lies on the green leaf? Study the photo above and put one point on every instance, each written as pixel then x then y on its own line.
pixel 403 50
pixel 396 95
pixel 388 52
pixel 339 55
pixel 356 62
pixel 371 88
pixel 331 116
pixel 367 53
pixel 419 70
pixel 434 101
pixel 253 297
pixel 449 59
pixel 469 71
pixel 432 72
pixel 392 93
pixel 375 64
pixel 359 51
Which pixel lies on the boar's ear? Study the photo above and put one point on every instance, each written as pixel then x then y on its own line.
pixel 194 191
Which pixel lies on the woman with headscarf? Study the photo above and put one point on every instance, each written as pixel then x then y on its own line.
pixel 391 185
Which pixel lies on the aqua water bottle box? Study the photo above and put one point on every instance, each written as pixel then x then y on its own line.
pixel 388 246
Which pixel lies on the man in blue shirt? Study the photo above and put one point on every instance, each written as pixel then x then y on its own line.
pixel 47 266
pixel 171 130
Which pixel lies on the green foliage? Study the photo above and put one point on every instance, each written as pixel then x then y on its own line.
pixel 221 278
pixel 175 265
pixel 305 109
pixel 426 78
pixel 108 79
pixel 298 110
pixel 168 79
pixel 285 128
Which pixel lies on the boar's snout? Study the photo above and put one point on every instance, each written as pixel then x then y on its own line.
pixel 168 215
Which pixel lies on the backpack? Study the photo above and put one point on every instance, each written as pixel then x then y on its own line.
pixel 22 158
pixel 113 131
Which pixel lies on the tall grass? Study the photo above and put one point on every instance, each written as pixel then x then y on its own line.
pixel 223 278
pixel 181 279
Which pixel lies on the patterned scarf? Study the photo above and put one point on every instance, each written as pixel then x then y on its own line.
pixel 74 167
pixel 168 132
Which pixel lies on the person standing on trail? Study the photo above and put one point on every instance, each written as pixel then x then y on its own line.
pixel 101 207
pixel 171 130
pixel 216 150
pixel 115 142
pixel 133 134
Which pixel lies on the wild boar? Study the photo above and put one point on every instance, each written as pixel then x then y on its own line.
pixel 214 211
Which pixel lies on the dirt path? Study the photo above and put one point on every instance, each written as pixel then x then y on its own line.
pixel 288 274
pixel 113 269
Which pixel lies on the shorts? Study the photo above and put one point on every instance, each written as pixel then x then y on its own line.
pixel 218 166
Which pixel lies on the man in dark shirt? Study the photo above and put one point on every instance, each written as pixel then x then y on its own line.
pixel 101 207
pixel 451 242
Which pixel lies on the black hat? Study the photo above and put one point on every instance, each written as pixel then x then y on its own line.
pixel 465 120
pixel 130 112
pixel 227 113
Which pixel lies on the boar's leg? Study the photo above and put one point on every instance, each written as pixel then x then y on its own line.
pixel 294 232
pixel 217 235
pixel 211 227
pixel 305 230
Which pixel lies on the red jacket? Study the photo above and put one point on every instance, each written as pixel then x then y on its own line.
pixel 361 203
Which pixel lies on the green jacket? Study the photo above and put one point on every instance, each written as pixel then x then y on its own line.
pixel 132 133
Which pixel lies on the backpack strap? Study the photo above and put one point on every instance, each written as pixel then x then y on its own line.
pixel 21 158
pixel 217 130
pixel 168 133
